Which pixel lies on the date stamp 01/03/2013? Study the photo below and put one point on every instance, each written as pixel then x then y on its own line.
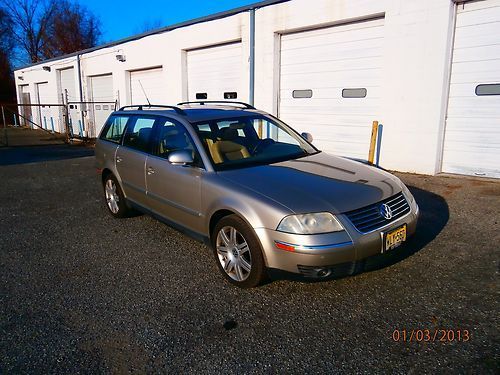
pixel 431 335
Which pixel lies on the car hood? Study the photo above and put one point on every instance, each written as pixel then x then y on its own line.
pixel 317 183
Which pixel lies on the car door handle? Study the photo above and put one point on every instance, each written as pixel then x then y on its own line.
pixel 150 170
pixel 119 159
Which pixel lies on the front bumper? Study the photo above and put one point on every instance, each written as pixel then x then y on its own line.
pixel 321 251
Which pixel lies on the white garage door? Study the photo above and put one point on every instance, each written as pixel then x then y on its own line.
pixel 330 84
pixel 149 81
pixel 46 119
pixel 68 89
pixel 472 137
pixel 26 112
pixel 215 73
pixel 101 92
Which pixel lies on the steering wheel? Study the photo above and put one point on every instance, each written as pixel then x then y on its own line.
pixel 264 143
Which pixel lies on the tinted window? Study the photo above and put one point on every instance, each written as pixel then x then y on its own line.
pixel 230 95
pixel 488 89
pixel 139 133
pixel 201 95
pixel 114 128
pixel 302 94
pixel 354 93
pixel 173 136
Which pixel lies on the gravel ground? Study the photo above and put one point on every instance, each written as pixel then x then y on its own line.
pixel 83 292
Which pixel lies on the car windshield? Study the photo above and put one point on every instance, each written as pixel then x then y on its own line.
pixel 250 140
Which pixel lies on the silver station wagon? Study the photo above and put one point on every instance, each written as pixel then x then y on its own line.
pixel 260 194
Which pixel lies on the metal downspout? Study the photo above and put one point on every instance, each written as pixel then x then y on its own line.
pixel 80 88
pixel 252 57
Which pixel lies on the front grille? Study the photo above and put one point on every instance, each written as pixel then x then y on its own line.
pixel 369 218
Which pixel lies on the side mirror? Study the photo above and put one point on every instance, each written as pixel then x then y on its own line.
pixel 181 157
pixel 308 137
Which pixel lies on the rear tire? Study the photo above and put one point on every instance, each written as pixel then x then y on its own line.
pixel 114 198
pixel 238 252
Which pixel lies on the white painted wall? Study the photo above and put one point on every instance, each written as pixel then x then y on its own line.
pixel 416 62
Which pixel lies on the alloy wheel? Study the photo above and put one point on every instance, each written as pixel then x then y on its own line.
pixel 233 253
pixel 112 197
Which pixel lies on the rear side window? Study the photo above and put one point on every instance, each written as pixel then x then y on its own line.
pixel 113 130
pixel 139 132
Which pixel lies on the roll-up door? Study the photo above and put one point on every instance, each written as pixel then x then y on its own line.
pixel 330 81
pixel 215 73
pixel 148 84
pixel 472 132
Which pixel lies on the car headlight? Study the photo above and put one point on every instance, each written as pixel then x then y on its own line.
pixel 322 222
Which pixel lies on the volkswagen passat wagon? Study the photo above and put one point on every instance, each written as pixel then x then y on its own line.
pixel 260 194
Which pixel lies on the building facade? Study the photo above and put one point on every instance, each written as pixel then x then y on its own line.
pixel 428 70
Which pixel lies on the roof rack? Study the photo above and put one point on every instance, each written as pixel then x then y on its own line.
pixel 141 106
pixel 203 102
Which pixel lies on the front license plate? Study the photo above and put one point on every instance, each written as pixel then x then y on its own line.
pixel 394 238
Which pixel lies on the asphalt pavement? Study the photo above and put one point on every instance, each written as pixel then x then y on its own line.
pixel 81 291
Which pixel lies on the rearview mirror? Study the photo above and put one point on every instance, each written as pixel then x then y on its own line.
pixel 181 157
pixel 307 136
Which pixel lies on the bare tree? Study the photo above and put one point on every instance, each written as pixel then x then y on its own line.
pixel 7 90
pixel 49 28
pixel 73 28
pixel 149 25
pixel 30 20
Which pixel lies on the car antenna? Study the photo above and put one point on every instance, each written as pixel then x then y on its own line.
pixel 144 91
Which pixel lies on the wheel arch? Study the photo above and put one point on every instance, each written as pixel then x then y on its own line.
pixel 223 212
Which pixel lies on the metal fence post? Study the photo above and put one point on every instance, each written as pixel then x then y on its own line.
pixel 5 128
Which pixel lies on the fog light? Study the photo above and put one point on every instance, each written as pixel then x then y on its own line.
pixel 323 272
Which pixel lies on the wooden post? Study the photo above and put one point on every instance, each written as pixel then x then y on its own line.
pixel 373 142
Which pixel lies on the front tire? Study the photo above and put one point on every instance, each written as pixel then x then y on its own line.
pixel 238 252
pixel 114 198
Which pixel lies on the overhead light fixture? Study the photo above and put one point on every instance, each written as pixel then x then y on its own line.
pixel 121 58
pixel 46 68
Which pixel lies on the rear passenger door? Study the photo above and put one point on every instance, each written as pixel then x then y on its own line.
pixel 131 157
pixel 174 191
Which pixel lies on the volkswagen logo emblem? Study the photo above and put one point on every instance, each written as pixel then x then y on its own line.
pixel 385 211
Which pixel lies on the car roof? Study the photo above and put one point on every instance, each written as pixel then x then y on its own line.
pixel 197 113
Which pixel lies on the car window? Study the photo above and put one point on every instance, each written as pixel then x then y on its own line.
pixel 113 130
pixel 250 140
pixel 173 136
pixel 138 133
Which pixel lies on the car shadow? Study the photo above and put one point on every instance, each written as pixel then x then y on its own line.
pixel 434 215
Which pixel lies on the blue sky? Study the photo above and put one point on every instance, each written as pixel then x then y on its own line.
pixel 127 17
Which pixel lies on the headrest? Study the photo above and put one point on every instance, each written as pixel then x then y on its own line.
pixel 176 140
pixel 144 133
pixel 228 134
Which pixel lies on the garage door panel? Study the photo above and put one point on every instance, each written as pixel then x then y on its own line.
pixel 475 77
pixel 480 53
pixel 314 81
pixel 296 57
pixel 471 16
pixel 332 66
pixel 312 47
pixel 480 35
pixel 472 133
pixel 481 110
pixel 350 34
